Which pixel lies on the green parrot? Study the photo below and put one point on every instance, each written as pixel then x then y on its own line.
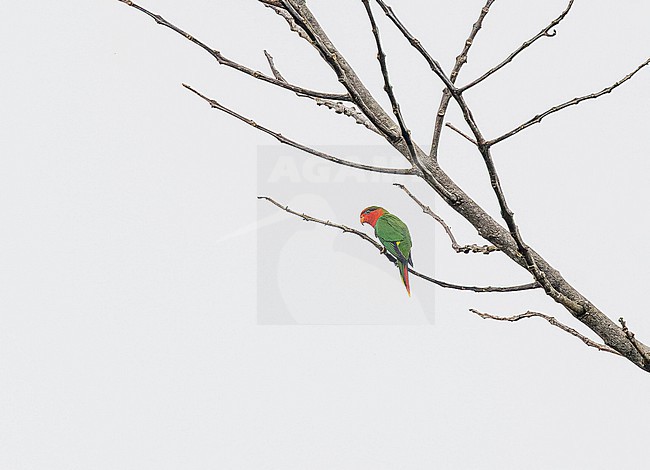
pixel 394 235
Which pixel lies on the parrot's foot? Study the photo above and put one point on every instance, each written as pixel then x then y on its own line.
pixel 383 250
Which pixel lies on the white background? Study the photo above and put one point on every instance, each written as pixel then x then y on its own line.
pixel 128 335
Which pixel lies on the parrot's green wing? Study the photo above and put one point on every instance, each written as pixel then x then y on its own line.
pixel 395 236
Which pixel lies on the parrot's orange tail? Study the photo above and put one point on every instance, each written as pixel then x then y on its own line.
pixel 405 278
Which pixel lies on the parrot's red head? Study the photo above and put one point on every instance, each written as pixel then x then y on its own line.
pixel 370 215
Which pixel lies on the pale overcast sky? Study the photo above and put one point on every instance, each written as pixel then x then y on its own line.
pixel 134 333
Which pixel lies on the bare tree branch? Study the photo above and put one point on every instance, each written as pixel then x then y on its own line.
pixel 388 88
pixel 274 70
pixel 446 95
pixel 214 104
pixel 222 60
pixel 553 321
pixel 538 118
pixel 544 33
pixel 458 131
pixel 462 57
pixel 509 241
pixel 392 259
pixel 473 248
pixel 336 106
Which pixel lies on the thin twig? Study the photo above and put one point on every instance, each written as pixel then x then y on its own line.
pixel 473 248
pixel 222 60
pixel 553 321
pixel 572 102
pixel 446 95
pixel 392 259
pixel 388 88
pixel 214 104
pixel 274 69
pixel 458 131
pixel 336 106
pixel 546 32
pixel 462 57
pixel 486 289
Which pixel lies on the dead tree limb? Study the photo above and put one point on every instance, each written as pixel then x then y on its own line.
pixel 553 321
pixel 461 133
pixel 508 239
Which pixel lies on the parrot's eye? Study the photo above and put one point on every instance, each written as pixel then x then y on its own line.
pixel 367 211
